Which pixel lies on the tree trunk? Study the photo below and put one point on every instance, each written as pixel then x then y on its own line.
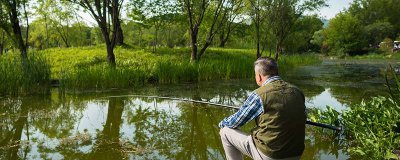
pixel 2 43
pixel 110 54
pixel 194 50
pixel 258 40
pixel 222 39
pixel 109 44
pixel 47 31
pixel 140 37
pixel 155 41
pixel 119 37
pixel 258 21
pixel 17 32
pixel 278 50
pixel 202 51
pixel 194 45
pixel 27 25
pixel 258 45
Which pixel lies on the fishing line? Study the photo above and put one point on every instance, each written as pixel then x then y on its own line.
pixel 217 104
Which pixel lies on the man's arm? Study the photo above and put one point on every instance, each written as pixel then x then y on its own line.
pixel 251 109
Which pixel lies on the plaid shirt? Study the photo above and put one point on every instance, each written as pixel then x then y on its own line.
pixel 252 108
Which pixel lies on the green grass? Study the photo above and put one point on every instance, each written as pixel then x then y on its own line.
pixel 86 68
pixel 20 77
pixel 383 55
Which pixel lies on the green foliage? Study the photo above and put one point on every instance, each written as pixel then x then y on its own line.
pixel 386 45
pixel 371 128
pixel 300 40
pixel 376 32
pixel 376 55
pixel 86 68
pixel 394 88
pixel 344 34
pixel 375 11
pixel 283 15
pixel 361 28
pixel 24 76
pixel 372 125
pixel 329 116
pixel 57 25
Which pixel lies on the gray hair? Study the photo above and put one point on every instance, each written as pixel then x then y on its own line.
pixel 266 66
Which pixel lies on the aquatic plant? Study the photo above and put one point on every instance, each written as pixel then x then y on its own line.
pixel 24 76
pixel 85 68
pixel 394 88
pixel 371 127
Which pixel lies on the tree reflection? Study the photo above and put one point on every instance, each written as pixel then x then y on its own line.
pixel 108 145
pixel 11 130
pixel 134 128
pixel 320 143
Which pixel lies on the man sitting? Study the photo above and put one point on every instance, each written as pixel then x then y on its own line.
pixel 279 111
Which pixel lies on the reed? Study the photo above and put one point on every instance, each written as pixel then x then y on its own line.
pixel 20 76
pixel 86 68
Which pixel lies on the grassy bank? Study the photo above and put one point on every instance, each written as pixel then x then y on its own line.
pixel 28 76
pixel 373 55
pixel 87 68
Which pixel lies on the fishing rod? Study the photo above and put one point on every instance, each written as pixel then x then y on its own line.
pixel 227 106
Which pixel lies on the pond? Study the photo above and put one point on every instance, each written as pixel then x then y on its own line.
pixel 119 125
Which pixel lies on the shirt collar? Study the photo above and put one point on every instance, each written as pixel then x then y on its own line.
pixel 271 79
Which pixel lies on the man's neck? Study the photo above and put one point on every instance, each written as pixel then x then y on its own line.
pixel 269 79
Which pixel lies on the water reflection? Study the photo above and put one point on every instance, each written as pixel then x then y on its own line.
pixel 11 130
pixel 97 126
pixel 115 128
pixel 325 99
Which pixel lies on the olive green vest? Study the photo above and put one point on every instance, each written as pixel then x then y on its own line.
pixel 280 130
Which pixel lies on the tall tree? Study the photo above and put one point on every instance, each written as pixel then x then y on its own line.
pixel 256 13
pixel 233 9
pixel 303 31
pixel 2 42
pixel 155 13
pixel 380 18
pixel 61 19
pixel 195 11
pixel 344 34
pixel 282 15
pixel 100 10
pixel 10 14
pixel 42 9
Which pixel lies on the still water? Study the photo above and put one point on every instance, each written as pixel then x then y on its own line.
pixel 118 125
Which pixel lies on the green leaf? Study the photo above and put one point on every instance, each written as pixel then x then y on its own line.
pixel 359 151
pixel 390 155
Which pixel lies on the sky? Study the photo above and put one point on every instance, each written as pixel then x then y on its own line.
pixel 335 6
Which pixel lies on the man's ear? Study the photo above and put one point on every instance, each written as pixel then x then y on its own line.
pixel 259 77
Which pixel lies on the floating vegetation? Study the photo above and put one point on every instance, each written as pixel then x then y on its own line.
pixel 80 139
pixel 371 128
pixel 15 145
